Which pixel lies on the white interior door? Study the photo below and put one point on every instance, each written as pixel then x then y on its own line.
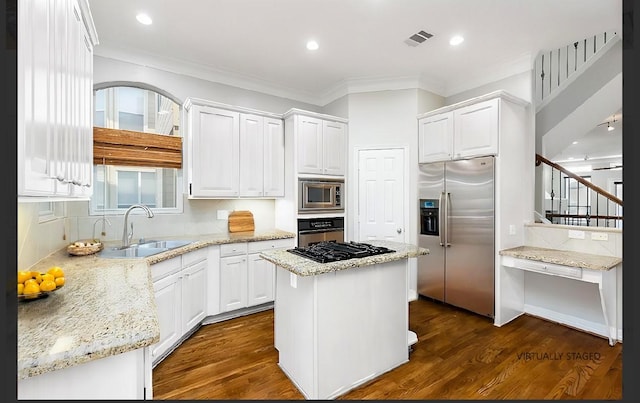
pixel 381 193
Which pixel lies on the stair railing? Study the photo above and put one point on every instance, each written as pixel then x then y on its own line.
pixel 556 68
pixel 576 201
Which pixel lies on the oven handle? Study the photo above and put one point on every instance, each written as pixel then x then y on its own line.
pixel 316 231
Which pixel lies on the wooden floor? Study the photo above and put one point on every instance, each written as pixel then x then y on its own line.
pixel 459 355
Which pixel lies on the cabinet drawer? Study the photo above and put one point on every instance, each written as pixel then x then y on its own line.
pixel 259 246
pixel 233 249
pixel 166 267
pixel 548 268
pixel 195 256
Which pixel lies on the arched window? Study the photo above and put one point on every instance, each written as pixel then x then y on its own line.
pixel 118 185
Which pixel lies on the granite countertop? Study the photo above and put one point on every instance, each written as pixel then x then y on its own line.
pixel 306 267
pixel 563 257
pixel 106 307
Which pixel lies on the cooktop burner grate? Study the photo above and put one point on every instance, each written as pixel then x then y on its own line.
pixel 325 252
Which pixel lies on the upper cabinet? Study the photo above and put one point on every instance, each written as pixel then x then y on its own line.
pixel 233 152
pixel 321 143
pixel 464 130
pixel 55 99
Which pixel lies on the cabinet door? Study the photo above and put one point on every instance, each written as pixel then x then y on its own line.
pixel 35 128
pixel 334 142
pixel 310 151
pixel 215 146
pixel 252 155
pixel 168 300
pixel 435 138
pixel 194 293
pixel 213 280
pixel 261 275
pixel 233 283
pixel 273 157
pixel 476 129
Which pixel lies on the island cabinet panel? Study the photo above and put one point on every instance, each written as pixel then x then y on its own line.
pixel 125 376
pixel 334 331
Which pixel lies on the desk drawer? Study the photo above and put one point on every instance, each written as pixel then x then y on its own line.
pixel 548 268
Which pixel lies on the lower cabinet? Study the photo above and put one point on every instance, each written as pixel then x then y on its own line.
pixel 245 278
pixel 180 286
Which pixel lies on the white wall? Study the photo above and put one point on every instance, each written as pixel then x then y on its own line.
pixel 384 119
pixel 519 85
pixel 180 86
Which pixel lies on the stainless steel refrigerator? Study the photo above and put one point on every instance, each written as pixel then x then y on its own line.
pixel 456 202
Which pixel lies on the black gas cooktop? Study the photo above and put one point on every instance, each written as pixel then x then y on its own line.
pixel 325 252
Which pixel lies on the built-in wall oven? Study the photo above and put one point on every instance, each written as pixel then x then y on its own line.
pixel 314 230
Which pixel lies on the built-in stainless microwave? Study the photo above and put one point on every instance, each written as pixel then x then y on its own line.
pixel 320 195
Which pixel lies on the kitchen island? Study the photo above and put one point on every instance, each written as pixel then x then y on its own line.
pixel 344 323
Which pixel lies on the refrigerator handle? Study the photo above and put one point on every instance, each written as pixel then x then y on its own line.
pixel 446 216
pixel 441 214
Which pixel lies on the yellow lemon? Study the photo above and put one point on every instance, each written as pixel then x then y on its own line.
pixel 59 281
pixel 30 281
pixel 20 288
pixel 47 285
pixel 31 288
pixel 56 271
pixel 23 276
pixel 37 276
pixel 48 276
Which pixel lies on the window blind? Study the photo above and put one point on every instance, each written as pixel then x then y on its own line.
pixel 132 148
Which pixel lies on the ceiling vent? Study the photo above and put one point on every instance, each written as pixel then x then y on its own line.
pixel 418 38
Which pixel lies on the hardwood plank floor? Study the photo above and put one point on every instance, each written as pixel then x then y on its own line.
pixel 459 355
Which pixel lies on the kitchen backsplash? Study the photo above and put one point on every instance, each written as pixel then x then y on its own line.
pixel 39 239
pixel 575 238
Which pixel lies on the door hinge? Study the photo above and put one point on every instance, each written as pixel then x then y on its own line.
pixel 190 194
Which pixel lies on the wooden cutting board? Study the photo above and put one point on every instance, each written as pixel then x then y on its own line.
pixel 241 221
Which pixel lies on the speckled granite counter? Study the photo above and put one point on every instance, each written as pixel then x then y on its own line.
pixel 563 257
pixel 106 307
pixel 307 267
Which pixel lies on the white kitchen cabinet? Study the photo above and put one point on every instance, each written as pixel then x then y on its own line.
pixel 233 152
pixel 321 144
pixel 180 286
pixel 213 168
pixel 465 130
pixel 273 157
pixel 233 283
pixel 55 99
pixel 245 278
pixel 168 294
pixel 261 156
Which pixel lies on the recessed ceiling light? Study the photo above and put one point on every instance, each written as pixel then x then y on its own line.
pixel 456 40
pixel 575 142
pixel 144 19
pixel 312 45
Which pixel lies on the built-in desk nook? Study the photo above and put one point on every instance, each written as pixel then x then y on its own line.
pixel 584 267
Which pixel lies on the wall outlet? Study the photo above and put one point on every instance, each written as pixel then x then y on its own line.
pixel 512 229
pixel 223 214
pixel 576 234
pixel 599 236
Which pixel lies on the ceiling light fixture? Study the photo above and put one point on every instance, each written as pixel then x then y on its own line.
pixel 144 19
pixel 312 45
pixel 456 40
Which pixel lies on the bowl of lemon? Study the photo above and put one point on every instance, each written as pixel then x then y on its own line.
pixel 34 285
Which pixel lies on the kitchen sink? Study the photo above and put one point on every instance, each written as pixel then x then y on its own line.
pixel 164 244
pixel 148 248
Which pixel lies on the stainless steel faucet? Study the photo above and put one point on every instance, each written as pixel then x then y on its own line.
pixel 126 236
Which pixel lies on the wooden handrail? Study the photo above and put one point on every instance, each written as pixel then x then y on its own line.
pixel 597 189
